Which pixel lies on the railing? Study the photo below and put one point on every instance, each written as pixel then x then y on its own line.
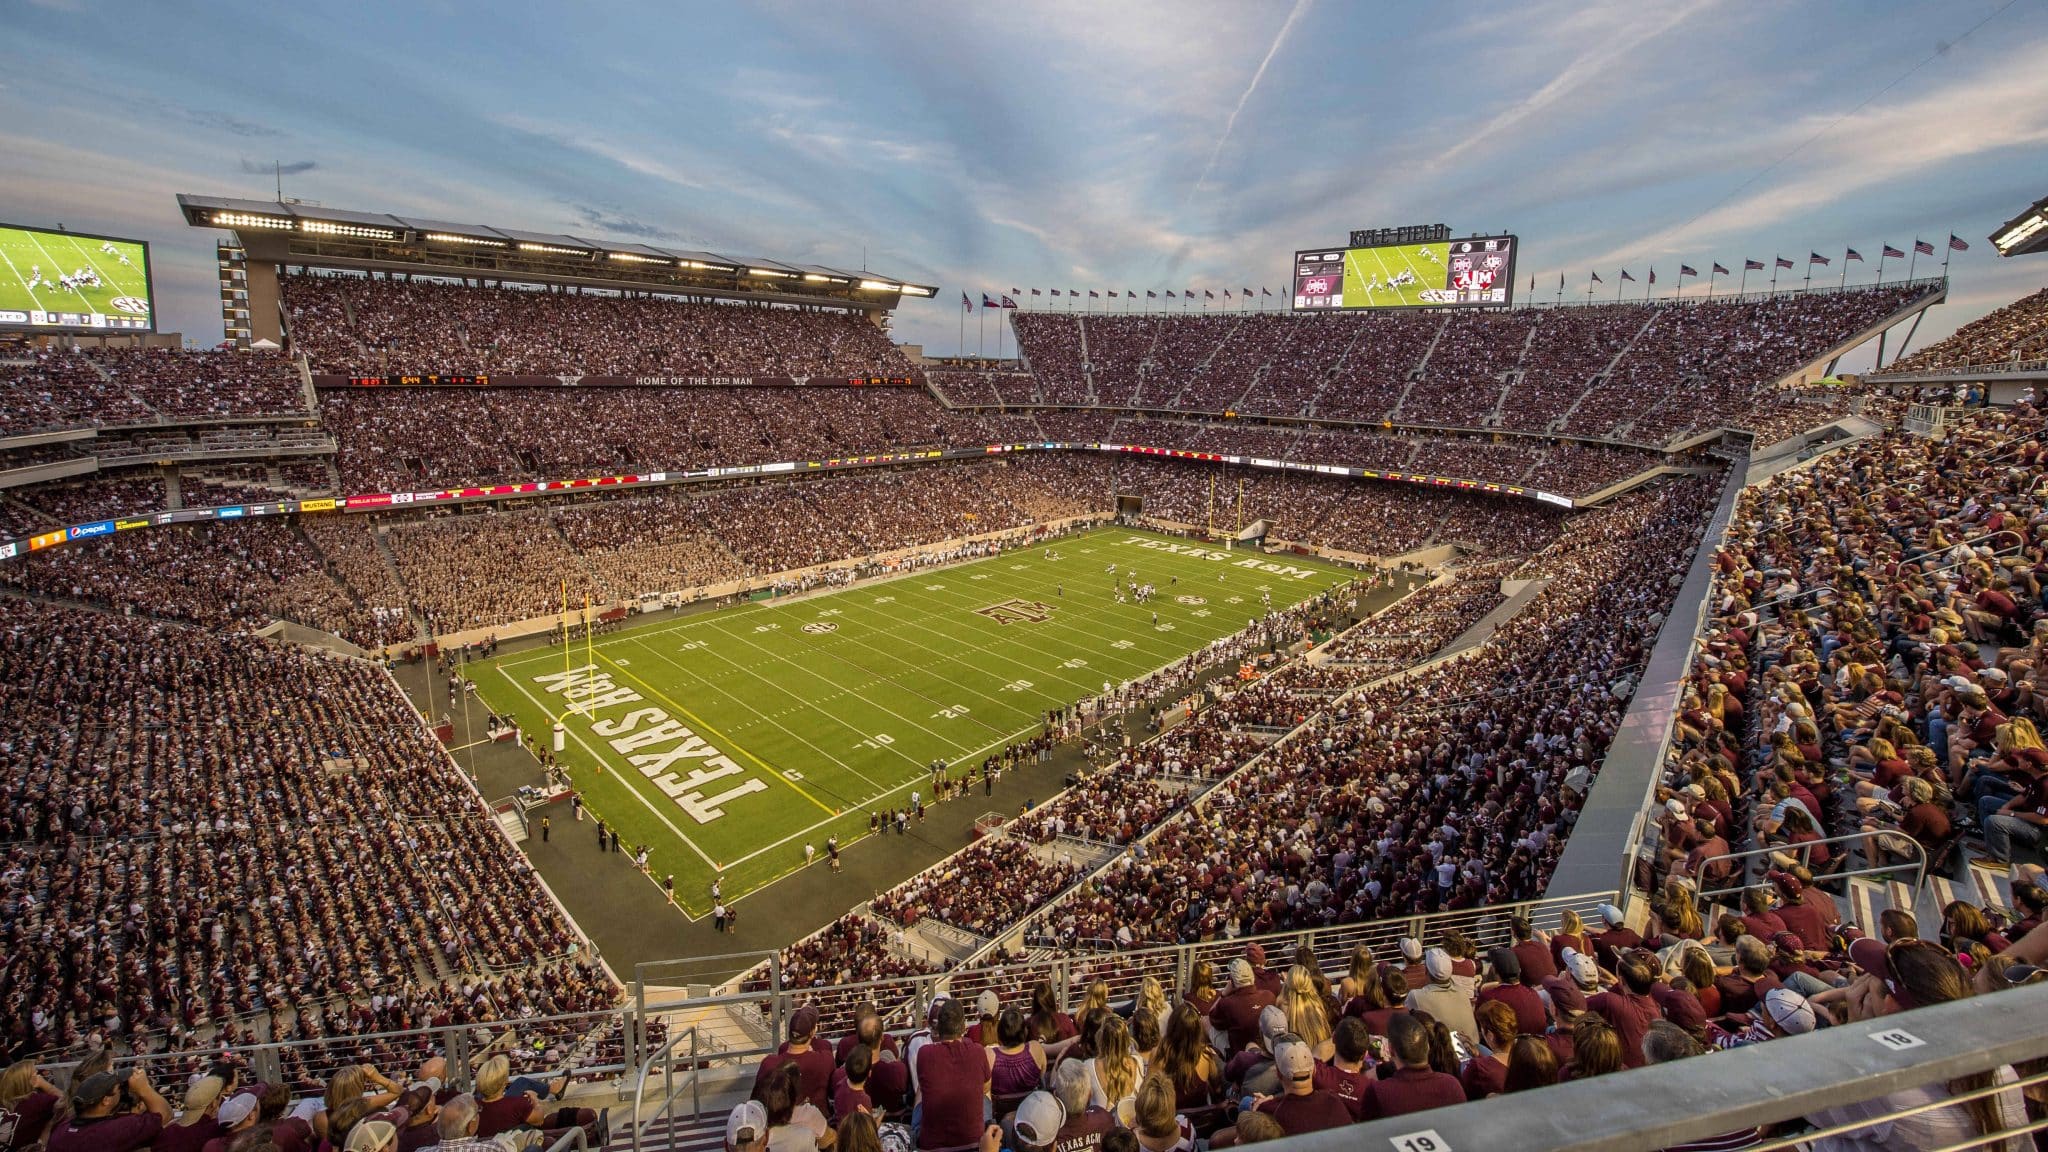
pixel 692 1083
pixel 1756 1086
pixel 1990 368
pixel 1919 863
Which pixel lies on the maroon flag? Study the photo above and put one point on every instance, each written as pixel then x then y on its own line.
pixel 1923 247
pixel 1891 253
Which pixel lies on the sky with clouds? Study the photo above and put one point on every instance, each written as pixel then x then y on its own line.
pixel 1069 143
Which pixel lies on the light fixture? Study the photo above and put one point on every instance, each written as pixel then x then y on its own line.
pixel 560 251
pixel 452 238
pixel 357 231
pixel 879 286
pixel 770 272
pixel 636 258
pixel 248 220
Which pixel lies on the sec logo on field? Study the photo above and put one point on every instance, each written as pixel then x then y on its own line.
pixel 133 305
pixel 820 627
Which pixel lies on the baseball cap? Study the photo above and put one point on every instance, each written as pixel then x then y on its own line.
pixel 1675 806
pixel 238 1108
pixel 803 1022
pixel 1437 963
pixel 1611 914
pixel 203 1091
pixel 1582 967
pixel 1039 1119
pixel 1256 953
pixel 747 1123
pixel 97 1087
pixel 1411 948
pixel 371 1135
pixel 1871 955
pixel 1272 1022
pixel 988 1003
pixel 1789 1010
pixel 1294 1061
pixel 1506 964
pixel 1786 882
pixel 1240 973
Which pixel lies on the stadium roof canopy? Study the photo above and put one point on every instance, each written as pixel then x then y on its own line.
pixel 2024 233
pixel 316 236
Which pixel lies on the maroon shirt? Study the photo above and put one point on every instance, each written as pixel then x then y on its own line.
pixel 815 1067
pixel 1484 1076
pixel 952 1076
pixel 1397 1093
pixel 1631 1016
pixel 409 1139
pixel 1808 923
pixel 186 1137
pixel 504 1114
pixel 1537 966
pixel 23 1124
pixel 850 1041
pixel 1311 1113
pixel 1236 1015
pixel 1530 1016
pixel 1738 994
pixel 1346 1086
pixel 846 1099
pixel 1084 1133
pixel 107 1134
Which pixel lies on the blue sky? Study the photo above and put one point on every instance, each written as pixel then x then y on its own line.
pixel 1065 143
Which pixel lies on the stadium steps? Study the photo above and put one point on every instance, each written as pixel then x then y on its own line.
pixel 1087 369
pixel 1602 376
pixel 1421 369
pixel 677 1133
pixel 1511 379
pixel 1202 369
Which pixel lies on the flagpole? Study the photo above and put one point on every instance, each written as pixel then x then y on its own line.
pixel 1710 283
pixel 1915 261
pixel 961 348
pixel 1742 285
pixel 1946 252
pixel 1880 266
pixel 1844 281
pixel 981 334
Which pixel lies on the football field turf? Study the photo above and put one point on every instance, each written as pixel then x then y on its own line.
pixel 727 740
pixel 1381 265
pixel 24 255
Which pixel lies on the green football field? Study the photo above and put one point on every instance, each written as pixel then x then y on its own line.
pixel 727 740
pixel 1380 266
pixel 33 265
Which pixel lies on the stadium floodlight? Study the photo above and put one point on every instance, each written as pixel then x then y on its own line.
pixel 2012 238
pixel 452 238
pixel 914 290
pixel 769 272
pixel 558 250
pixel 635 258
pixel 701 266
pixel 356 231
pixel 814 278
pixel 879 286
pixel 251 220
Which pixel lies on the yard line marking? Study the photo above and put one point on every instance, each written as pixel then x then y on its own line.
pixel 22 281
pixel 595 755
pixel 702 726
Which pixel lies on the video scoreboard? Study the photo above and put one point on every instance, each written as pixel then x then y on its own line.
pixel 1477 271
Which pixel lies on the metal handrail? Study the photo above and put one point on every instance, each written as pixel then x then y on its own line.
pixel 666 1058
pixel 1919 866
pixel 572 1140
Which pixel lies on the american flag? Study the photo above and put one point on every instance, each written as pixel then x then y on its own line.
pixel 1782 262
pixel 1653 275
pixel 1054 291
pixel 1151 295
pixel 1631 279
pixel 1034 291
pixel 1094 295
pixel 1816 258
pixel 1265 292
pixel 1688 270
pixel 1016 291
pixel 1008 302
pixel 965 303
pixel 1956 245
pixel 1720 271
pixel 1208 295
pixel 1169 293
pixel 1597 279
pixel 1853 254
pixel 1891 253
pixel 1752 265
pixel 1923 247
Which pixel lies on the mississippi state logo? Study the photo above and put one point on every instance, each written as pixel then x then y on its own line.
pixel 820 627
pixel 133 305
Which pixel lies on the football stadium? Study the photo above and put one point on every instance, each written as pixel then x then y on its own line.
pixel 523 669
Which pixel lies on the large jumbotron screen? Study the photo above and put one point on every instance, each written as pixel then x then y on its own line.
pixel 73 280
pixel 1477 272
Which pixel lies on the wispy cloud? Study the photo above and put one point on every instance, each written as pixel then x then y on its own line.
pixel 1294 16
pixel 279 168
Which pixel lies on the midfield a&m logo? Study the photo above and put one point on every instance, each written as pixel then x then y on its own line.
pixel 1016 611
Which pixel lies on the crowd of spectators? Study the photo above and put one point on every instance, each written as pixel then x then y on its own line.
pixel 115 387
pixel 350 324
pixel 987 887
pixel 2018 331
pixel 1634 372
pixel 1422 623
pixel 187 818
